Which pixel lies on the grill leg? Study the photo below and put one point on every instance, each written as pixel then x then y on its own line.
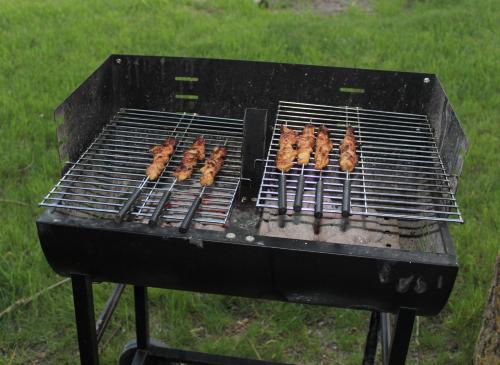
pixel 141 317
pixel 85 319
pixel 400 338
pixel 371 339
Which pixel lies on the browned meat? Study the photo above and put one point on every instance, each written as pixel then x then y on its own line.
pixel 348 158
pixel 190 157
pixel 305 144
pixel 212 166
pixel 287 152
pixel 323 148
pixel 161 155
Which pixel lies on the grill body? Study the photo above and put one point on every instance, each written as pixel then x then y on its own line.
pixel 247 263
pixel 340 275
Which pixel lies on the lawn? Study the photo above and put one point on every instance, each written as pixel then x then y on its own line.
pixel 48 48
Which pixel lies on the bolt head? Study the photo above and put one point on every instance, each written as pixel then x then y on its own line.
pixel 118 60
pixel 427 80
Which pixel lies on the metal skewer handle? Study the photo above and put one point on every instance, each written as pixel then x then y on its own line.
pixel 153 221
pixel 186 222
pixel 318 198
pixel 299 193
pixel 131 200
pixel 282 194
pixel 346 197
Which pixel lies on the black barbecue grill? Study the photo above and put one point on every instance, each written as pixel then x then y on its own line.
pixel 376 239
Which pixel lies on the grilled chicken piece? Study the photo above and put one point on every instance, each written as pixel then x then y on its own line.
pixel 285 157
pixel 305 144
pixel 323 148
pixel 348 158
pixel 182 172
pixel 161 155
pixel 286 153
pixel 212 165
pixel 189 159
pixel 199 146
pixel 288 137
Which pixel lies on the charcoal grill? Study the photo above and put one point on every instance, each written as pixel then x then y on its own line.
pixel 391 254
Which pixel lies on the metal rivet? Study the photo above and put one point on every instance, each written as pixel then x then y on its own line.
pixel 250 238
pixel 230 235
pixel 427 80
pixel 118 60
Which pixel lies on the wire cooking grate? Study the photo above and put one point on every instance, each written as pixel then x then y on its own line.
pixel 114 164
pixel 399 174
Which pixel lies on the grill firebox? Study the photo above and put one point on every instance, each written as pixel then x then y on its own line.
pixel 394 257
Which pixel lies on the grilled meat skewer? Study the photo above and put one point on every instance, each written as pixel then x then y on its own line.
pixel 212 165
pixel 284 162
pixel 161 155
pixel 189 159
pixel 347 161
pixel 323 148
pixel 348 158
pixel 305 144
pixel 287 153
pixel 321 158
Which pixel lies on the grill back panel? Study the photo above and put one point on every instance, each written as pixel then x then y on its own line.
pixel 225 88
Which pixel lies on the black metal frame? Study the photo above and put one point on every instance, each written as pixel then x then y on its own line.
pixel 382 280
pixel 394 341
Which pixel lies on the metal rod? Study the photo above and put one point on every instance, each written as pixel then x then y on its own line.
pixel 141 317
pixel 299 192
pixel 107 312
pixel 85 319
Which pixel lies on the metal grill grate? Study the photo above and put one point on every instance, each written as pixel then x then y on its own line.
pixel 103 178
pixel 399 174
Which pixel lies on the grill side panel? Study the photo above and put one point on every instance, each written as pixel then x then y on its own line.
pixel 83 114
pixel 451 140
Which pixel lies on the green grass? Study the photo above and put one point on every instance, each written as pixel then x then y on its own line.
pixel 48 48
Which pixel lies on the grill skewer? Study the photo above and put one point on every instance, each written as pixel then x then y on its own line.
pixel 131 200
pixel 282 194
pixel 318 197
pixel 186 222
pixel 167 193
pixel 305 146
pixel 153 221
pixel 137 192
pixel 346 197
pixel 282 183
pixel 299 194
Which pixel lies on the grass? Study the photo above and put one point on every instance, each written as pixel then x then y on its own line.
pixel 47 48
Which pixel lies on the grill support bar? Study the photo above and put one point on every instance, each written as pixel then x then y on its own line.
pixel 85 319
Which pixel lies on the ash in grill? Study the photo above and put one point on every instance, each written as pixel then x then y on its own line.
pixel 101 182
pixel 384 243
